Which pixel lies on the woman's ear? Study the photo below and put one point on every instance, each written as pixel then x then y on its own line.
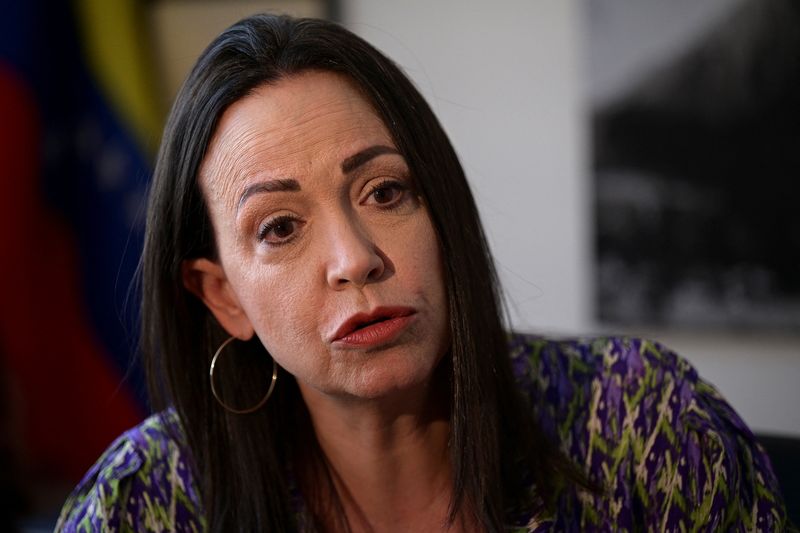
pixel 207 280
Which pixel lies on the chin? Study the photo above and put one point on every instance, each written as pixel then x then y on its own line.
pixel 384 378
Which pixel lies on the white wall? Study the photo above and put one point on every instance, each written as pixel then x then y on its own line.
pixel 507 81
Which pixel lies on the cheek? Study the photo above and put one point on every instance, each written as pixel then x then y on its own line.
pixel 283 313
pixel 427 258
pixel 435 282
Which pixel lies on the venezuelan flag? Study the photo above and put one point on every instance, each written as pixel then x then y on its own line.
pixel 78 125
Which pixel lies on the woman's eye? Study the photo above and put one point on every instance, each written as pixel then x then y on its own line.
pixel 278 230
pixel 387 193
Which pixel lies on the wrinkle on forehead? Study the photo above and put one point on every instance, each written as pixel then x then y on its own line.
pixel 245 139
pixel 226 163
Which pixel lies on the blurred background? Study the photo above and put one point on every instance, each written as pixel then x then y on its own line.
pixel 632 163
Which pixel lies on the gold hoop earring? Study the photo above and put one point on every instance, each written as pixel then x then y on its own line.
pixel 226 406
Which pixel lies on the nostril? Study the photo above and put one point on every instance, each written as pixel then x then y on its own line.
pixel 375 273
pixel 355 259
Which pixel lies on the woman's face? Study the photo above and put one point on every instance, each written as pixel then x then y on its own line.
pixel 326 251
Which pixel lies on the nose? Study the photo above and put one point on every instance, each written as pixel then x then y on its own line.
pixel 354 259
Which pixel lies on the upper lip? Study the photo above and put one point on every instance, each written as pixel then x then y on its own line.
pixel 360 319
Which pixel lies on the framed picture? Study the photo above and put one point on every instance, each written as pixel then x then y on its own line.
pixel 696 155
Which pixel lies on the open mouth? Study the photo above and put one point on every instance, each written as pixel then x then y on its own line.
pixel 381 323
pixel 371 322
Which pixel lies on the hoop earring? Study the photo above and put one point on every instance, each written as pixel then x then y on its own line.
pixel 226 406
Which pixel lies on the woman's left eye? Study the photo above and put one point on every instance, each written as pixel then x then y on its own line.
pixel 386 193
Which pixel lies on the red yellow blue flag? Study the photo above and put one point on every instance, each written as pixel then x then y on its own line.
pixel 78 125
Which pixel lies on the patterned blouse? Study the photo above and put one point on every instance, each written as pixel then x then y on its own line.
pixel 671 453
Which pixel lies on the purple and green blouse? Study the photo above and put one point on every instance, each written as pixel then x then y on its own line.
pixel 670 452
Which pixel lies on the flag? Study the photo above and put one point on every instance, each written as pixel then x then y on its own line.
pixel 78 124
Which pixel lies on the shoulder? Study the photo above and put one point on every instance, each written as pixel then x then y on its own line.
pixel 564 377
pixel 607 385
pixel 142 482
pixel 564 363
pixel 637 417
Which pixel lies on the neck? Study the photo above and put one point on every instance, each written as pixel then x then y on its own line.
pixel 388 457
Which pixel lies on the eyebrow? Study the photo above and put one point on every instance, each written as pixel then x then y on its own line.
pixel 278 185
pixel 291 185
pixel 364 156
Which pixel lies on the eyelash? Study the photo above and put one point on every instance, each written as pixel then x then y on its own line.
pixel 401 188
pixel 270 225
pixel 274 223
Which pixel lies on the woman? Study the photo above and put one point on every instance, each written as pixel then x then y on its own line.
pixel 312 244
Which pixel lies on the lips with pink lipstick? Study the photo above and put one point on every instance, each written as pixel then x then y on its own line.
pixel 379 326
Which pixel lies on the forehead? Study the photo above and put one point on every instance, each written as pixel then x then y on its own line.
pixel 288 127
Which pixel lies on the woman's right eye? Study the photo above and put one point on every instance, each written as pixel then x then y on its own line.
pixel 278 230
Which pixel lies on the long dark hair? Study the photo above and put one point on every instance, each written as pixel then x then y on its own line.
pixel 241 462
